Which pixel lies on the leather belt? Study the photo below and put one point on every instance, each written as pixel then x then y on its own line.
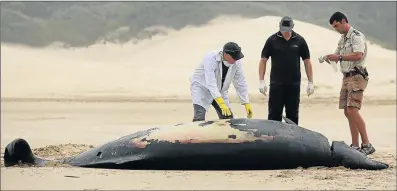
pixel 351 73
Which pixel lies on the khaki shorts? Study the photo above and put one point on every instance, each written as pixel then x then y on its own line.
pixel 352 91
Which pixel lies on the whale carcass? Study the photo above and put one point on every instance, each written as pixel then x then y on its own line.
pixel 229 144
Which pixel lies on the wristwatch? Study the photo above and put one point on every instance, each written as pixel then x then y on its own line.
pixel 340 58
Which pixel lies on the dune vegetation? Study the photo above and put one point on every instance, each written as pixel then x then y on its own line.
pixel 84 23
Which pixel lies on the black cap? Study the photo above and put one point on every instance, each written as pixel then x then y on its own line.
pixel 286 24
pixel 234 50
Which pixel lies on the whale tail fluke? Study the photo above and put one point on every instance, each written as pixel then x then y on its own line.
pixel 354 159
pixel 19 152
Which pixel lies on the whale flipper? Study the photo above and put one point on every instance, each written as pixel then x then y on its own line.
pixel 289 121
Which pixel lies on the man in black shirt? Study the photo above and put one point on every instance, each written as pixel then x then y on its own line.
pixel 285 48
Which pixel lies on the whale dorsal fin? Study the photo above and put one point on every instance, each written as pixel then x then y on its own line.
pixel 288 120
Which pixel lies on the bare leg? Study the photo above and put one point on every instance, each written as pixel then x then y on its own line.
pixel 353 129
pixel 354 103
pixel 358 123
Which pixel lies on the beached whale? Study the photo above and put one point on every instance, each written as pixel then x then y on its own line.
pixel 232 144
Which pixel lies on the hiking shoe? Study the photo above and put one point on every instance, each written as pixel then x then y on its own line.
pixel 354 147
pixel 367 148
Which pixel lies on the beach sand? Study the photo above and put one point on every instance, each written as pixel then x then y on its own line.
pixel 65 101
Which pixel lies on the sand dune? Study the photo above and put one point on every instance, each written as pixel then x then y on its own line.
pixel 162 66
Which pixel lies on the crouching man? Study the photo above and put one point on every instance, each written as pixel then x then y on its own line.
pixel 211 80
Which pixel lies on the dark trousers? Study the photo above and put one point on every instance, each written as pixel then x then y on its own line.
pixel 199 112
pixel 284 95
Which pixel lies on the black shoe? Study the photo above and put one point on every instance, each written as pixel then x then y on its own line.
pixel 367 148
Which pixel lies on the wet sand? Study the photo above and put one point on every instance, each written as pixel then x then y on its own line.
pixel 56 129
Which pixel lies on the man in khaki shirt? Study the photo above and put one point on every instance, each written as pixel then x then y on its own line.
pixel 351 53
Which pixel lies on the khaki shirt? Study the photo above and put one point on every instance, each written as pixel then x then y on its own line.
pixel 353 41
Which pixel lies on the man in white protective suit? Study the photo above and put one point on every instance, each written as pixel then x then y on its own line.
pixel 211 80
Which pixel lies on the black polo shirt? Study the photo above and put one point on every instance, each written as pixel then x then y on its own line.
pixel 285 57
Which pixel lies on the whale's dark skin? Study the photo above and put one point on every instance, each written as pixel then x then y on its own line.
pixel 233 144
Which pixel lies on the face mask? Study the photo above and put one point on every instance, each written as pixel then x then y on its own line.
pixel 226 63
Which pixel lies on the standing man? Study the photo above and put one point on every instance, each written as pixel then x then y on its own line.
pixel 351 53
pixel 285 48
pixel 211 80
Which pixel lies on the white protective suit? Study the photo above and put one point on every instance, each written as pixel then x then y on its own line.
pixel 207 78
